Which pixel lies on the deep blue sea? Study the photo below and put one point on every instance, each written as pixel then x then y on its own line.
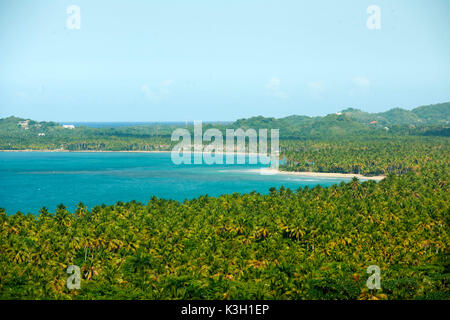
pixel 31 180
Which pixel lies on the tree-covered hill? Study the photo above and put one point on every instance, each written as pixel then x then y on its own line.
pixel 356 122
pixel 19 134
pixel 437 114
pixel 306 127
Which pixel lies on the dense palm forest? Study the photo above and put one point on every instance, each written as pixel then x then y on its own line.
pixel 310 243
pixel 290 244
pixel 368 155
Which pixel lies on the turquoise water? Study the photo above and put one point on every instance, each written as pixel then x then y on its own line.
pixel 31 180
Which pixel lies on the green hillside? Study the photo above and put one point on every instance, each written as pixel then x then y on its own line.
pixel 435 113
pixel 355 122
pixel 18 134
pixel 400 116
pixel 438 114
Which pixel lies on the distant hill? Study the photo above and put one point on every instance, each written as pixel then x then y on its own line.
pixel 424 120
pixel 353 121
pixel 12 124
pixel 437 114
pixel 400 116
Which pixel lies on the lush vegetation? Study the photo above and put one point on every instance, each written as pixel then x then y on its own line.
pixel 290 244
pixel 20 134
pixel 368 156
pixel 304 244
pixel 52 136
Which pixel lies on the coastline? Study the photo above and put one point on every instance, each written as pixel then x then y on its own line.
pixel 263 171
pixel 128 151
pixel 62 150
pixel 270 171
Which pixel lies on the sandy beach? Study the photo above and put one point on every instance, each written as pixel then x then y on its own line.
pixel 270 171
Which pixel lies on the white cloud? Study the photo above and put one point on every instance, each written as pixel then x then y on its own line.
pixel 22 95
pixel 274 88
pixel 158 92
pixel 315 88
pixel 361 82
pixel 360 85
pixel 30 94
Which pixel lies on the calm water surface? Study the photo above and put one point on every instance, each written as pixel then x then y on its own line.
pixel 31 180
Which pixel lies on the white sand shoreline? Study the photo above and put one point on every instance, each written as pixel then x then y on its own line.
pixel 270 171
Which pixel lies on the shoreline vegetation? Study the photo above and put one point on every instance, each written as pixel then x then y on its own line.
pixel 347 142
pixel 263 171
pixel 312 243
pixel 269 171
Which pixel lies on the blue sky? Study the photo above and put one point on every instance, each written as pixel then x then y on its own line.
pixel 168 60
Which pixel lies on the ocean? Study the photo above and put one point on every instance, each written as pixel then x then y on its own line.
pixel 31 180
